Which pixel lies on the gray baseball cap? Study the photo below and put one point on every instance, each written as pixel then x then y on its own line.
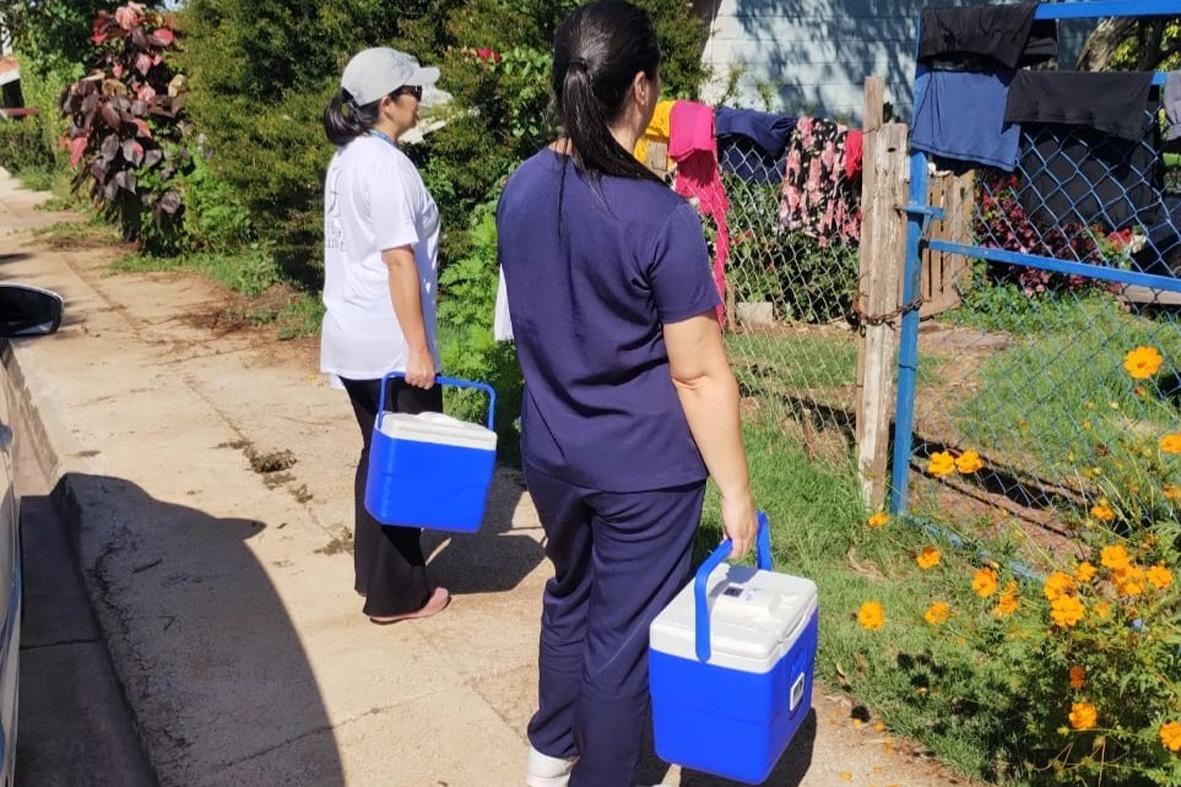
pixel 375 73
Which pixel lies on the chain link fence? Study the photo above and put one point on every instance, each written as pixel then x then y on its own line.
pixel 1050 393
pixel 789 299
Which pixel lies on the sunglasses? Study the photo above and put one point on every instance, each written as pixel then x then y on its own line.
pixel 408 90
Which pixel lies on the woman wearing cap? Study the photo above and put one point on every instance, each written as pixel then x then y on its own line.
pixel 381 240
pixel 630 402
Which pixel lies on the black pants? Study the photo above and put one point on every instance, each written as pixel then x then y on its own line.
pixel 389 564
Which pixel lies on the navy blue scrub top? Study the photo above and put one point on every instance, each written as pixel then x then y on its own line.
pixel 587 306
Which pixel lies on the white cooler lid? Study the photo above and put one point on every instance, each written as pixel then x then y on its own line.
pixel 755 616
pixel 438 429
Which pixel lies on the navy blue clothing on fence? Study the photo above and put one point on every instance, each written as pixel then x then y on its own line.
pixel 589 291
pixel 753 145
pixel 961 116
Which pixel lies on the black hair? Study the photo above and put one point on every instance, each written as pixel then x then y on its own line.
pixel 598 50
pixel 344 120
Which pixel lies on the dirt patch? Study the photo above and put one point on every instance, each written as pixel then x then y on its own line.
pixel 264 462
pixel 237 312
pixel 276 480
pixel 340 544
pixel 301 493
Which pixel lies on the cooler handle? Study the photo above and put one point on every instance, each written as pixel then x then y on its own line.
pixel 701 599
pixel 454 382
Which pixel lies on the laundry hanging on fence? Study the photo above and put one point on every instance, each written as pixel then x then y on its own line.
pixel 961 116
pixel 1173 105
pixel 819 198
pixel 752 145
pixel 1007 34
pixel 1115 102
pixel 854 148
pixel 658 130
pixel 693 146
pixel 1074 176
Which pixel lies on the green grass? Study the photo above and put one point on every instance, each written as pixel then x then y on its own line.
pixel 818 532
pixel 796 361
pixel 301 317
pixel 95 231
pixel 1062 390
pixel 250 272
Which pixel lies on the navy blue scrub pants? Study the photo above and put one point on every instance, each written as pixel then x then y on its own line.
pixel 619 559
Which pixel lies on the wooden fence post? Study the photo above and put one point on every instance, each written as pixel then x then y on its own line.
pixel 883 236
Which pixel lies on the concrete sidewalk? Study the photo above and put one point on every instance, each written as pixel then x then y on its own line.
pixel 226 593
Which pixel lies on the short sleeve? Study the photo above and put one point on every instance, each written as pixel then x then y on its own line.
pixel 391 207
pixel 679 274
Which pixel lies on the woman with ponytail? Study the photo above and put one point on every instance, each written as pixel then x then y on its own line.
pixel 381 240
pixel 629 399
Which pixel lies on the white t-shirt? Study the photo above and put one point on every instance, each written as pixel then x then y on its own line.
pixel 374 200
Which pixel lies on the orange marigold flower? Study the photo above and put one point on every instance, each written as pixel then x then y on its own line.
pixel 1143 362
pixel 1083 716
pixel 1103 512
pixel 1129 581
pixel 984 582
pixel 1067 611
pixel 941 464
pixel 1173 492
pixel 938 613
pixel 1057 585
pixel 871 616
pixel 1115 557
pixel 1171 443
pixel 968 462
pixel 1103 610
pixel 1008 602
pixel 1159 577
pixel 1170 735
pixel 1078 677
pixel 928 558
pixel 878 520
pixel 1085 572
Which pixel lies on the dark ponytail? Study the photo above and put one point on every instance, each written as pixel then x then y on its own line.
pixel 344 121
pixel 598 51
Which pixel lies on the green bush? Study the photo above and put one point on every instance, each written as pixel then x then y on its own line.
pixel 21 148
pixel 261 73
pixel 465 336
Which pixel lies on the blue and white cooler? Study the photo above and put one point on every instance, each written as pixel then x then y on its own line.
pixel 731 665
pixel 431 470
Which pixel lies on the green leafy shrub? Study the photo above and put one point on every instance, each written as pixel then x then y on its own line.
pixel 21 148
pixel 466 343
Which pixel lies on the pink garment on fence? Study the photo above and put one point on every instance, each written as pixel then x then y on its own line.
pixel 692 145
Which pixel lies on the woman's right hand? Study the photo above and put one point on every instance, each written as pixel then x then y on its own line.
pixel 420 370
pixel 740 521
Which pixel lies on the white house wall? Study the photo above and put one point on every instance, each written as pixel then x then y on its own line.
pixel 812 56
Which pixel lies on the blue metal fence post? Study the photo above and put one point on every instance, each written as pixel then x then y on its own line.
pixel 908 344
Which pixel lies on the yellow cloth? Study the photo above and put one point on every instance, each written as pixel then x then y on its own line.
pixel 658 130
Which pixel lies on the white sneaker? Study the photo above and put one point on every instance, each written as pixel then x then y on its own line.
pixel 542 770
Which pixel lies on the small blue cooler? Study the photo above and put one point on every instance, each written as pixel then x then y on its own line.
pixel 731 665
pixel 431 470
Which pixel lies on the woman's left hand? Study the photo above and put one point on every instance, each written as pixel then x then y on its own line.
pixel 420 370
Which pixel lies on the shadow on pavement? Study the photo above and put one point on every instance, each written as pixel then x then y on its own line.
pixel 789 772
pixel 239 690
pixel 493 560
